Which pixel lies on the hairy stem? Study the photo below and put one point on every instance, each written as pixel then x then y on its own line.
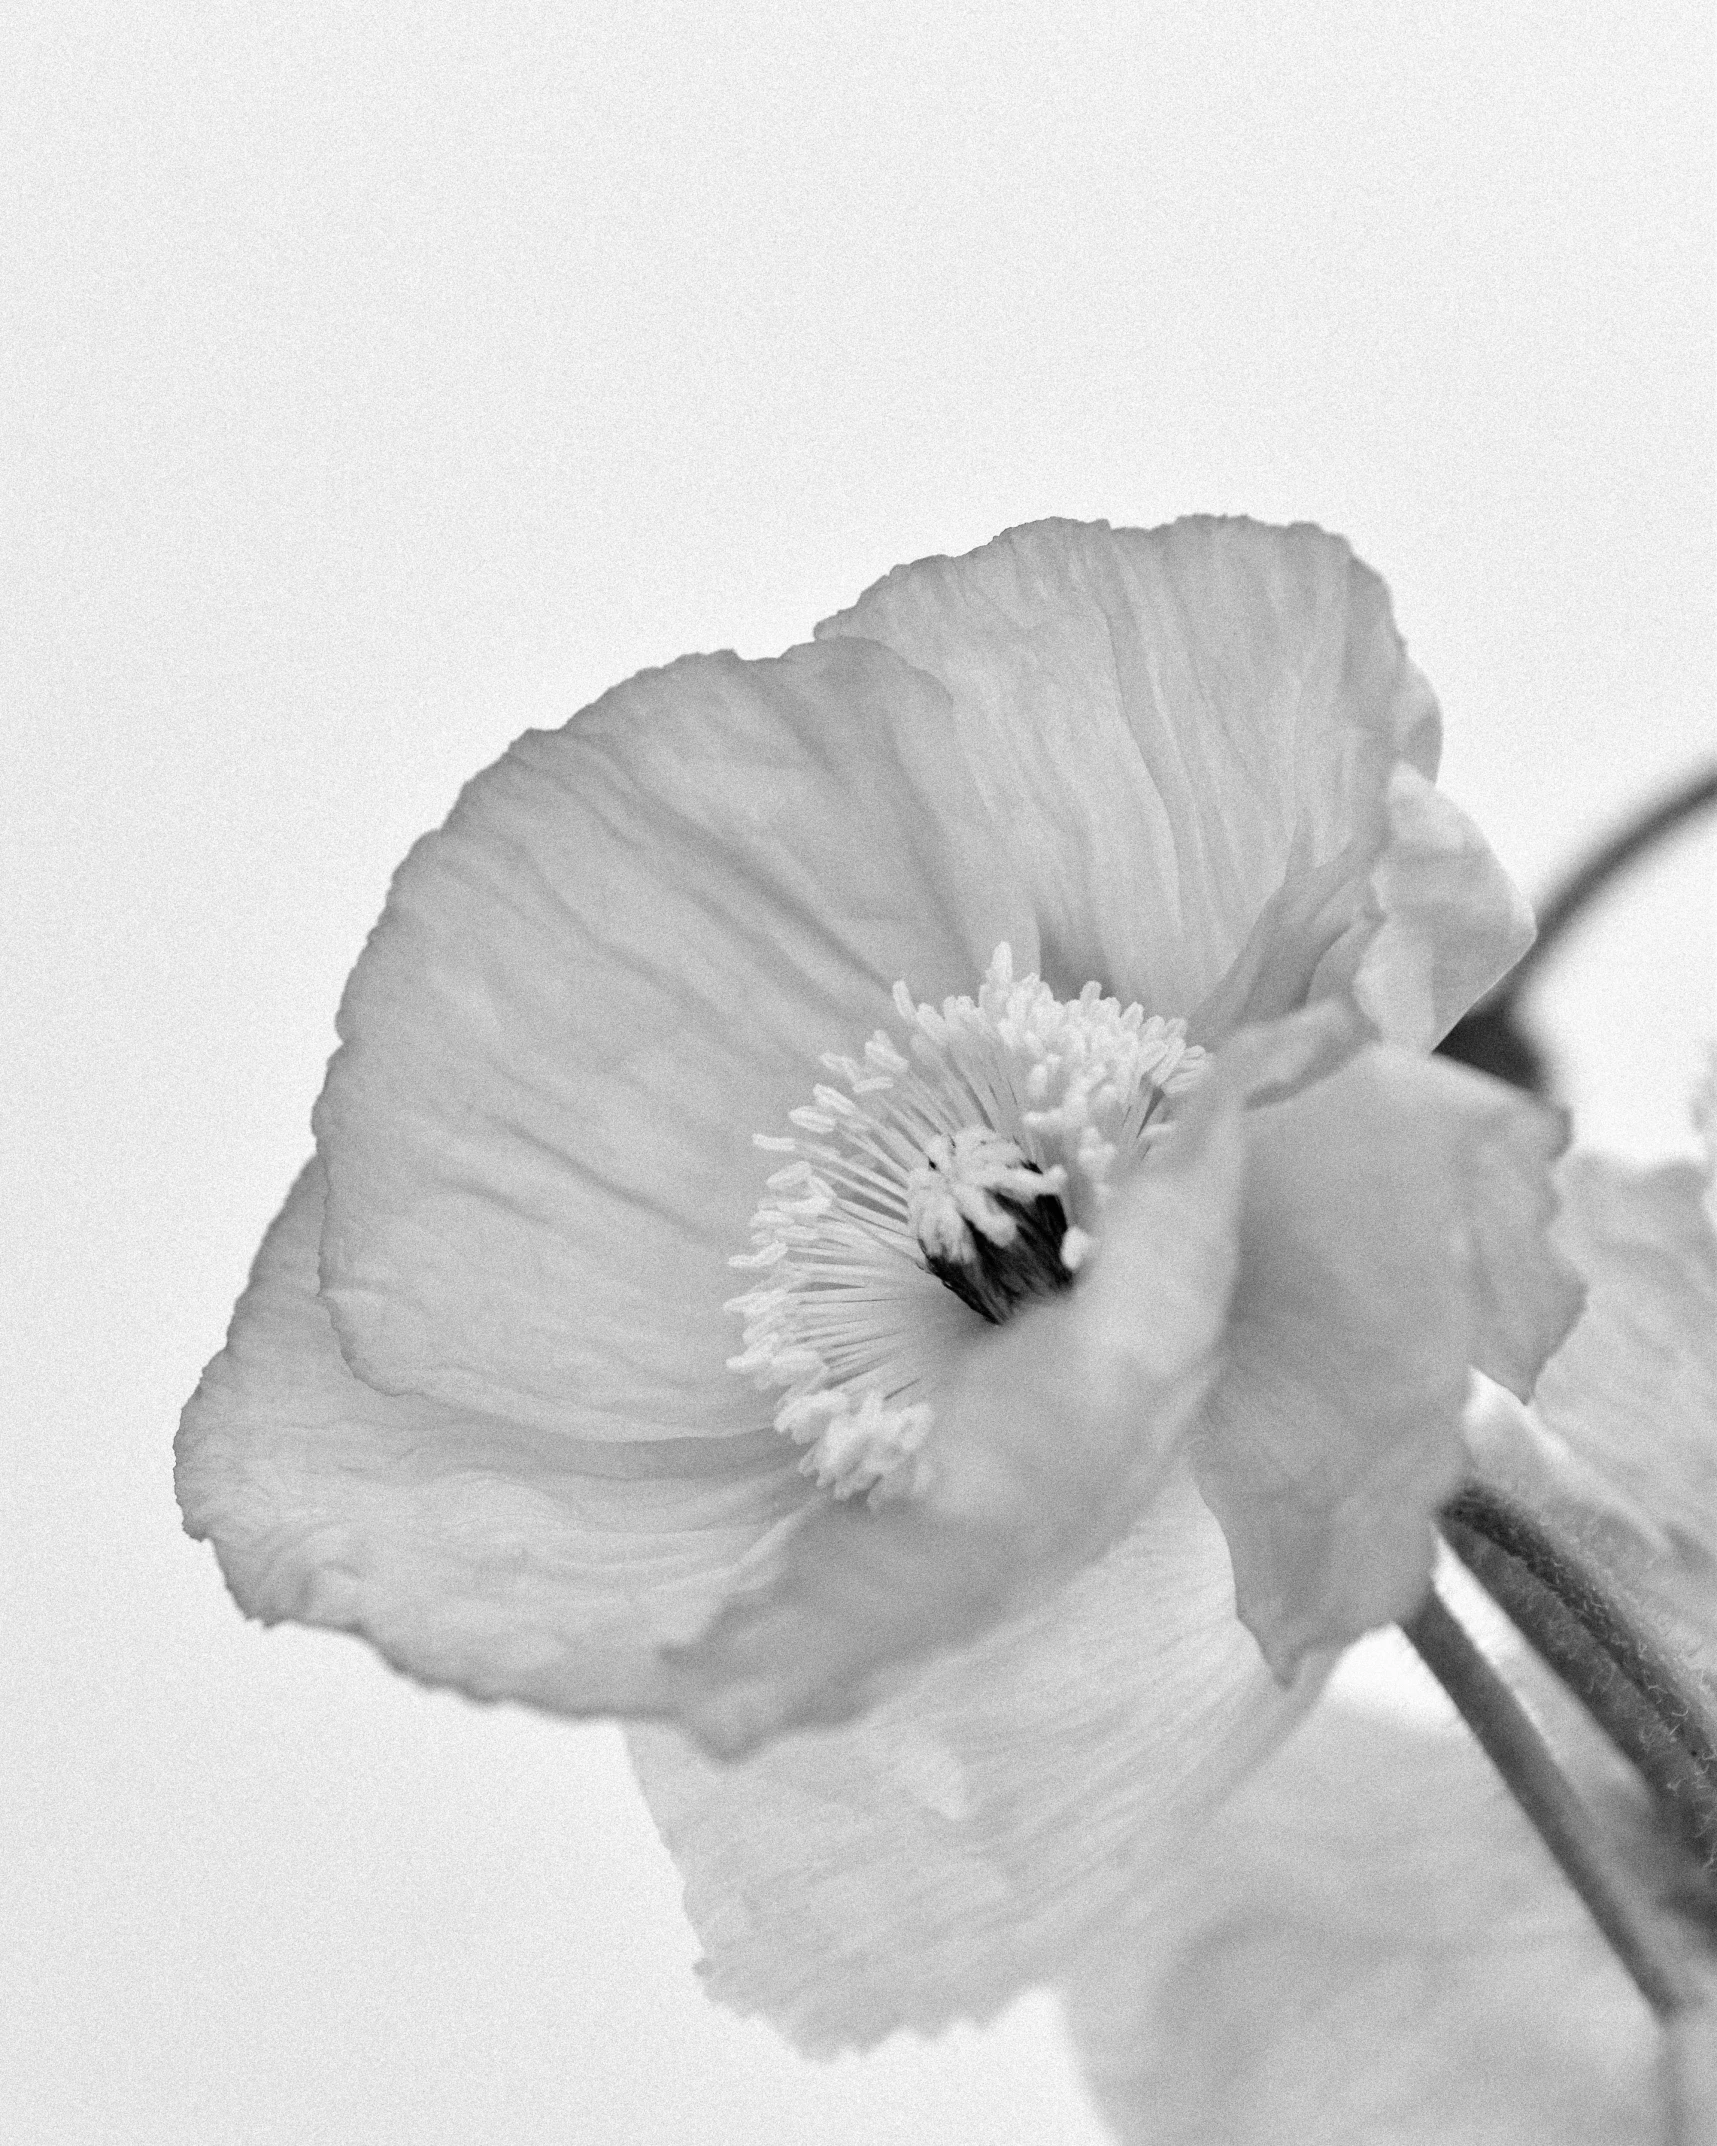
pixel 1654 1713
pixel 1588 1860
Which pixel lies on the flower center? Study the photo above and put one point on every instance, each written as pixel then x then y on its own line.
pixel 991 1227
pixel 963 1180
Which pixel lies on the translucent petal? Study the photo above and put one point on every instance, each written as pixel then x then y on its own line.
pixel 1618 1452
pixel 511 1562
pixel 1047 1443
pixel 1391 1235
pixel 1224 709
pixel 1634 1388
pixel 1367 1943
pixel 625 953
pixel 926 1862
pixel 1413 921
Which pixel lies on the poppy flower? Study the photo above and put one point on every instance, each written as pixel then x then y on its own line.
pixel 1070 922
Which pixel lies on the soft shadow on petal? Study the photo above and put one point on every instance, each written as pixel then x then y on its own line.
pixel 1046 1445
pixel 473 1552
pixel 1220 707
pixel 1390 1237
pixel 624 953
pixel 925 1863
pixel 1367 1944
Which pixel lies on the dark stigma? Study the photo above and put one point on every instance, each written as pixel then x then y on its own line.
pixel 1004 1276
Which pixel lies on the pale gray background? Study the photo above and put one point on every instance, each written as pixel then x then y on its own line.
pixel 379 380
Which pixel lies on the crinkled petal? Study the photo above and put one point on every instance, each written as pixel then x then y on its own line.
pixel 1391 1236
pixel 624 954
pixel 1450 921
pixel 1412 921
pixel 1367 1944
pixel 926 1862
pixel 1227 712
pixel 511 1562
pixel 1048 1441
pixel 1046 1445
pixel 1634 1389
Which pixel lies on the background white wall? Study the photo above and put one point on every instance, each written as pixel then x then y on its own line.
pixel 380 380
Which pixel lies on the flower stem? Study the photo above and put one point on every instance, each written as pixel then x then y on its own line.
pixel 1696 793
pixel 1652 1714
pixel 1493 1035
pixel 1538 1784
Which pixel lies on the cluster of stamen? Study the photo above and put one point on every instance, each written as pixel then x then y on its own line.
pixel 965 1179
pixel 990 1225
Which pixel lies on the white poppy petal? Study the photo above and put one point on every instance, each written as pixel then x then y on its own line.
pixel 1391 1235
pixel 622 956
pixel 508 1561
pixel 1412 921
pixel 1618 1451
pixel 1450 921
pixel 1634 1388
pixel 1514 1449
pixel 1367 1943
pixel 1047 1442
pixel 923 1864
pixel 1224 709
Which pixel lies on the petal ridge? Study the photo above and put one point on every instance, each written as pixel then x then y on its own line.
pixel 471 1551
pixel 620 958
pixel 1220 685
pixel 1392 1236
pixel 927 1862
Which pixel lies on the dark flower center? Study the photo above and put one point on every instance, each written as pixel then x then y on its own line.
pixel 998 1278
